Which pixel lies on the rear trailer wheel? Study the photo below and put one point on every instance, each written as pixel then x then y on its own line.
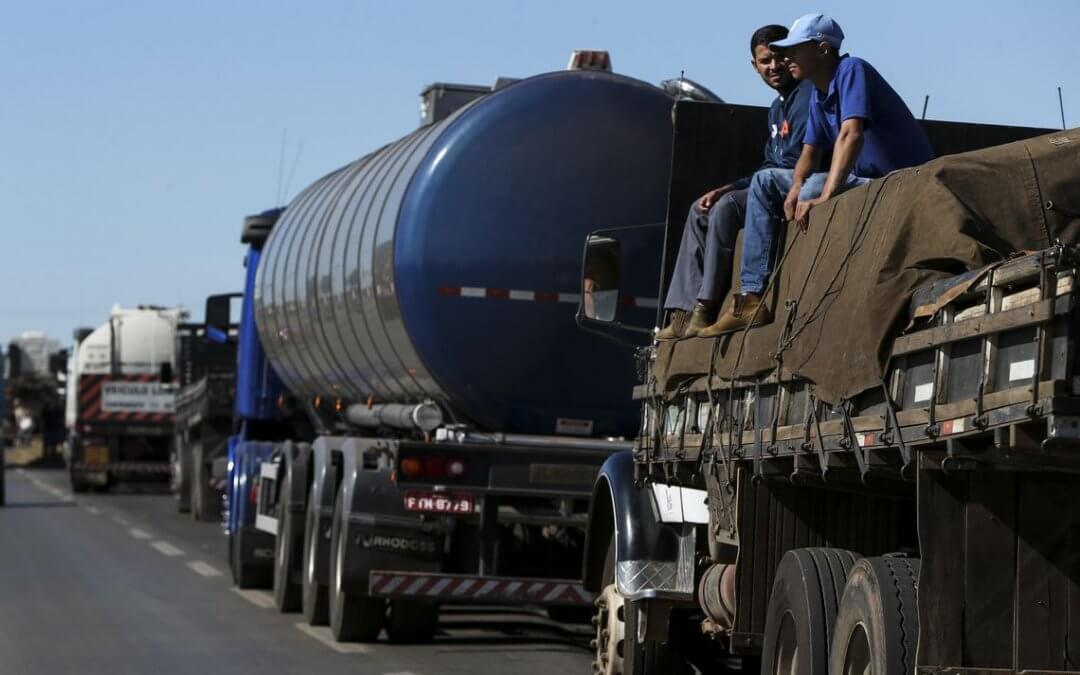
pixel 412 622
pixel 246 574
pixel 205 498
pixel 802 610
pixel 180 474
pixel 313 594
pixel 877 627
pixel 288 552
pixel 353 617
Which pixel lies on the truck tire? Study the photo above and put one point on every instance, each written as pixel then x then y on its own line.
pixel 288 554
pixel 205 498
pixel 77 484
pixel 877 628
pixel 412 622
pixel 617 648
pixel 353 617
pixel 314 595
pixel 180 473
pixel 245 573
pixel 802 610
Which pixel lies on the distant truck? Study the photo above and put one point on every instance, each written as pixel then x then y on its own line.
pixel 206 375
pixel 419 421
pixel 790 502
pixel 120 398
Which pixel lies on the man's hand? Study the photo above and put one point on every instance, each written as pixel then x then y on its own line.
pixel 712 196
pixel 791 201
pixel 802 212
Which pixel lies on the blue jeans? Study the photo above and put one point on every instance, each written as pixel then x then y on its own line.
pixel 706 252
pixel 764 214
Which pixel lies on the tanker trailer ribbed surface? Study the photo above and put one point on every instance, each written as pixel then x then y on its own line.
pixel 446 265
pixel 420 306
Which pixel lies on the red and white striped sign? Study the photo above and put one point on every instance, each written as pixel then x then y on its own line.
pixel 92 410
pixel 533 296
pixel 457 588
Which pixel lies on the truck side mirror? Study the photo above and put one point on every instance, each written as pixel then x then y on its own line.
pixel 219 316
pixel 619 274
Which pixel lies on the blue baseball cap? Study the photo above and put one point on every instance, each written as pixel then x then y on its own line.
pixel 811 28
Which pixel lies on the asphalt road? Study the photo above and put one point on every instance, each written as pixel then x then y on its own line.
pixel 121 583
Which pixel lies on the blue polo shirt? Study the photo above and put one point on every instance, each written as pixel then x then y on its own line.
pixel 788 116
pixel 892 139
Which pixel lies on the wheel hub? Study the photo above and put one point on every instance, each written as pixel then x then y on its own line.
pixel 610 622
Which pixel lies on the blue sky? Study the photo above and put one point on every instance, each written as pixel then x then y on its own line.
pixel 134 136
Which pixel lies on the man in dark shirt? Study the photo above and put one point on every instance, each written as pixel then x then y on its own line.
pixel 703 267
pixel 855 113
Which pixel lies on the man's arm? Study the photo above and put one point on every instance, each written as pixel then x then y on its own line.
pixel 807 164
pixel 849 143
pixel 713 196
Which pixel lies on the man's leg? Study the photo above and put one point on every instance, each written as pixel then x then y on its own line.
pixel 725 221
pixel 686 278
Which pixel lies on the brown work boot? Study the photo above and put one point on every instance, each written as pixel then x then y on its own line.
pixel 676 325
pixel 742 312
pixel 702 317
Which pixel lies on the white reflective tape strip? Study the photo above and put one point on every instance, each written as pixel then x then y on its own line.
pixel 555 592
pixel 536 588
pixel 585 595
pixel 1022 370
pixel 392 586
pixel 486 588
pixel 415 586
pixel 439 586
pixel 464 586
pixel 570 297
pixel 522 295
pixel 923 392
pixel 958 425
pixel 472 292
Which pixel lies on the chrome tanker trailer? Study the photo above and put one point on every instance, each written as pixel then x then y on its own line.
pixel 418 306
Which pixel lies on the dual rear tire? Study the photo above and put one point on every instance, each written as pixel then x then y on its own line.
pixel 832 613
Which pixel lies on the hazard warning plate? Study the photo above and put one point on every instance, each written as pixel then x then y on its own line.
pixel 439 502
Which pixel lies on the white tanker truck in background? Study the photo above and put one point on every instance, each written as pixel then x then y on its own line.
pixel 120 397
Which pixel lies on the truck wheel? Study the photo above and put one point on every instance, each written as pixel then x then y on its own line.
pixel 288 552
pixel 353 617
pixel 180 473
pixel 802 610
pixel 877 628
pixel 412 622
pixel 205 499
pixel 313 594
pixel 245 573
pixel 77 484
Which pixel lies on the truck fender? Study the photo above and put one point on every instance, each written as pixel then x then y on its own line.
pixel 325 474
pixel 622 509
pixel 381 533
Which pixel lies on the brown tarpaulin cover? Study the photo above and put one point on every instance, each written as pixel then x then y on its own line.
pixel 853 272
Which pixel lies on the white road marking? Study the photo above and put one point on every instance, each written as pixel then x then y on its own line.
pixel 324 636
pixel 167 548
pixel 120 521
pixel 92 510
pixel 139 534
pixel 204 569
pixel 403 672
pixel 260 599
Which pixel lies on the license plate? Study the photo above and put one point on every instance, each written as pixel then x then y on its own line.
pixel 96 454
pixel 439 502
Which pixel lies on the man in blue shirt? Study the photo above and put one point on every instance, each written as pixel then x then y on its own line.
pixel 707 250
pixel 855 113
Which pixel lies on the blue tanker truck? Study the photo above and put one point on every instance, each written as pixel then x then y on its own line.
pixel 418 418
